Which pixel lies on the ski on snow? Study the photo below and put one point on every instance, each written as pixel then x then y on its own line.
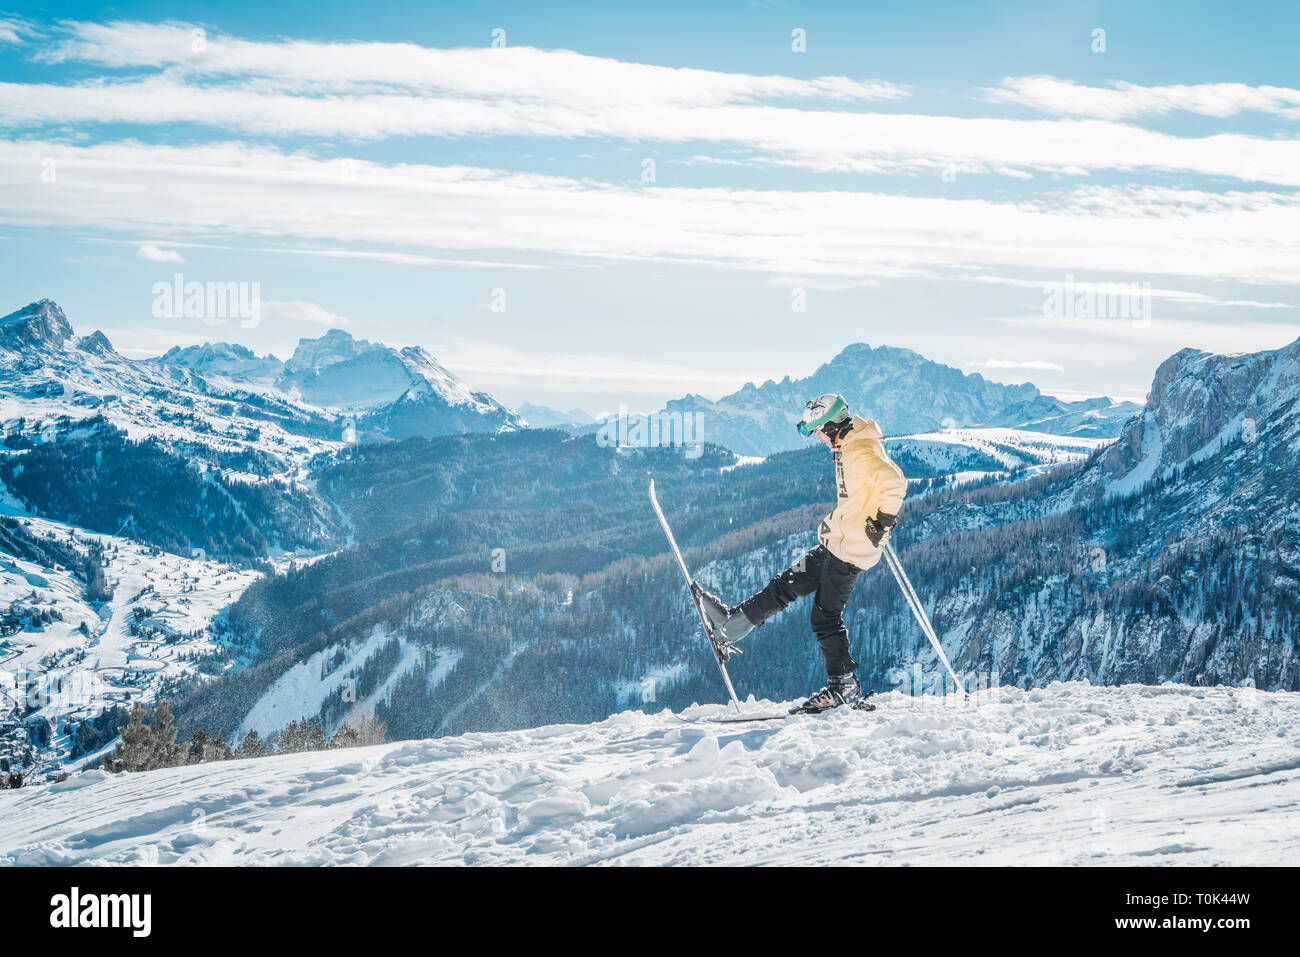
pixel 720 653
pixel 862 705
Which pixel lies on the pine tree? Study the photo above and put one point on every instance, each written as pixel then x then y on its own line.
pixel 313 738
pixel 133 751
pixel 97 587
pixel 218 749
pixel 198 748
pixel 166 753
pixel 289 741
pixel 345 737
pixel 251 746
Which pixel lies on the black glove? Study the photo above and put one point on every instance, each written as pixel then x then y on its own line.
pixel 878 526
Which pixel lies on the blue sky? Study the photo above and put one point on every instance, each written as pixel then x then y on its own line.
pixel 651 191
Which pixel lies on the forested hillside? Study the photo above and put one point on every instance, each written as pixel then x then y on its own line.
pixel 95 477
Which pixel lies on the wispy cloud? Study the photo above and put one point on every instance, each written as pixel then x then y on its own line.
pixel 518 72
pixel 1039 364
pixel 1087 287
pixel 373 255
pixel 599 375
pixel 298 310
pixel 13 28
pixel 1128 100
pixel 224 191
pixel 1225 337
pixel 823 140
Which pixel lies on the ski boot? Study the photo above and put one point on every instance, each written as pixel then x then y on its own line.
pixel 726 625
pixel 840 690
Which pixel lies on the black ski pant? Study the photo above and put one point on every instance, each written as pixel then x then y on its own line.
pixel 830 581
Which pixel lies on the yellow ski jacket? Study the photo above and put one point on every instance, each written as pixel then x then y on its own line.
pixel 867 482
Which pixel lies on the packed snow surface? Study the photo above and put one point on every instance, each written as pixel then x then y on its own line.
pixel 1069 774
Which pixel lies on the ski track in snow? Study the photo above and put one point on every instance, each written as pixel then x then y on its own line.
pixel 1068 774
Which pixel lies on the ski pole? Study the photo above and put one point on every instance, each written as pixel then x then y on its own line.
pixel 914 602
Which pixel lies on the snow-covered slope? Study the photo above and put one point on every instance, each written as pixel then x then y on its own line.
pixel 967 454
pixel 305 687
pixel 1068 774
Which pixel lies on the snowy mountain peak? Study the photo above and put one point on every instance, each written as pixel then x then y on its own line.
pixel 40 324
pixel 336 345
pixel 396 392
pixel 48 372
pixel 235 362
pixel 339 371
pixel 96 343
pixel 192 355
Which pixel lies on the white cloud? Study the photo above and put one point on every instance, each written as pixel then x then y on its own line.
pixel 298 310
pixel 823 140
pixel 1039 364
pixel 369 91
pixel 601 375
pixel 1127 100
pixel 408 259
pixel 156 254
pixel 222 192
pixel 515 72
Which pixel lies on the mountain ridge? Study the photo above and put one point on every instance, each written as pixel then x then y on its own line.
pixel 365 388
pixel 904 391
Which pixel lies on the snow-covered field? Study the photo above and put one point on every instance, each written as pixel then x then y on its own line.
pixel 1070 774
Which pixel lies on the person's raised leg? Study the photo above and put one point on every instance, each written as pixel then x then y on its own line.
pixel 801 578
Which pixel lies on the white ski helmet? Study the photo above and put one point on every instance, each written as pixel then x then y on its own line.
pixel 824 410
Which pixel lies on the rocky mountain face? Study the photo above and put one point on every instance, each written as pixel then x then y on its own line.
pixel 904 392
pixel 1201 405
pixel 225 360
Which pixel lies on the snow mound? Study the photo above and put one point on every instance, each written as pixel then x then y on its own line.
pixel 1066 774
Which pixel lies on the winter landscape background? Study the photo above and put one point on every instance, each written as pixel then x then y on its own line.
pixel 191 527
pixel 338 349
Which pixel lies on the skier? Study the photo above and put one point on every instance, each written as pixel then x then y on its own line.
pixel 870 490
